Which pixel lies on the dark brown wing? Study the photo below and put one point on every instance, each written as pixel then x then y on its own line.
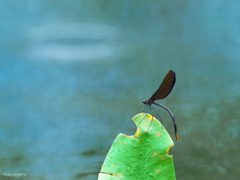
pixel 166 86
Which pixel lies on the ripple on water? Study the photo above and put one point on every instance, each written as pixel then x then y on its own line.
pixel 74 42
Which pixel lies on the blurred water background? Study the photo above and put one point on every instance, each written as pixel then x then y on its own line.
pixel 74 73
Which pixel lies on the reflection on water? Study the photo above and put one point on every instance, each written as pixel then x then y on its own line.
pixel 74 42
pixel 58 120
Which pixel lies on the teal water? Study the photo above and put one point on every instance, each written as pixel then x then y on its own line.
pixel 74 73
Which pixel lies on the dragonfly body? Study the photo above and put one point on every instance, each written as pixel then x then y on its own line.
pixel 162 92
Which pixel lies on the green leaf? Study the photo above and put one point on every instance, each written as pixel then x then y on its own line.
pixel 143 156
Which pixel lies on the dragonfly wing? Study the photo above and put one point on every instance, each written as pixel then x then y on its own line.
pixel 165 87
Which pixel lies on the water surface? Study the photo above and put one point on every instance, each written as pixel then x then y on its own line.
pixel 73 74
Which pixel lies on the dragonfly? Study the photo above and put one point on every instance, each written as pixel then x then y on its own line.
pixel 162 92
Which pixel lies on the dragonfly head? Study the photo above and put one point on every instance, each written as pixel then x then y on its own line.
pixel 148 101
